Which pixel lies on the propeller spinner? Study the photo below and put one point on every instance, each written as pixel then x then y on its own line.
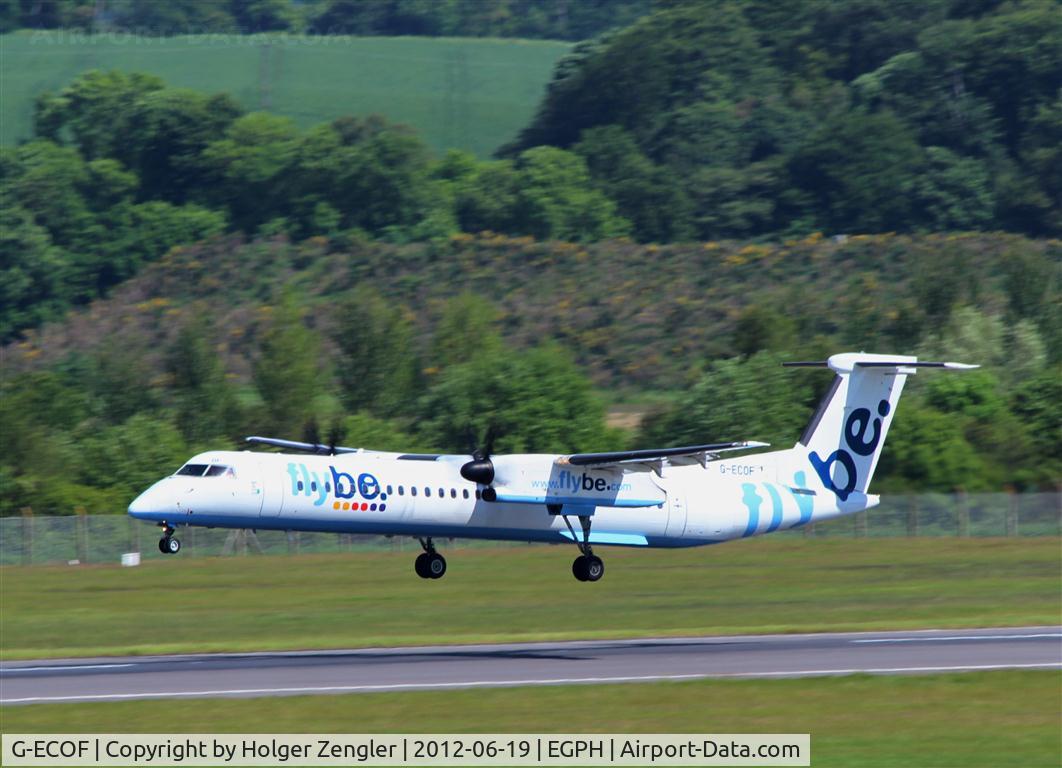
pixel 481 468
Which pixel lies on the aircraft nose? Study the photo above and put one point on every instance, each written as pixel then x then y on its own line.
pixel 147 504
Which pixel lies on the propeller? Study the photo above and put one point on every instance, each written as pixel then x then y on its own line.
pixel 335 434
pixel 481 468
pixel 310 432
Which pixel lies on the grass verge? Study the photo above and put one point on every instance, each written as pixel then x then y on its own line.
pixel 527 593
pixel 978 719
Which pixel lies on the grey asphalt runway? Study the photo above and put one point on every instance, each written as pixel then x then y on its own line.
pixel 586 662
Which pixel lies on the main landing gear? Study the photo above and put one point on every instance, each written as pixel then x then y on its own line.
pixel 588 566
pixel 167 544
pixel 429 563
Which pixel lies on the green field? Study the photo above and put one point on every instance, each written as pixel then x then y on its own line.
pixel 978 719
pixel 527 593
pixel 472 94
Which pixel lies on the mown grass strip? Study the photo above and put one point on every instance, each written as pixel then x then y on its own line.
pixel 978 719
pixel 527 593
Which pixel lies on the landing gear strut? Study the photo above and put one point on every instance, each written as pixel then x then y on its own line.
pixel 167 544
pixel 429 563
pixel 588 566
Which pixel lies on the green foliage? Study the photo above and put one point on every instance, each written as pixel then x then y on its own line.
pixel 287 370
pixel 129 457
pixel 853 116
pixel 545 19
pixel 975 394
pixel 549 19
pixel 735 399
pixel 248 165
pixel 363 430
pixel 546 193
pixel 1036 404
pixel 31 272
pixel 97 112
pixel 99 372
pixel 377 367
pixel 467 328
pixel 205 404
pixel 555 202
pixel 535 401
pixel 860 171
pixel 762 328
pixel 927 448
pixel 644 193
pixel 119 383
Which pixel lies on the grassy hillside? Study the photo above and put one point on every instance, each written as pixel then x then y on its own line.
pixel 636 317
pixel 472 94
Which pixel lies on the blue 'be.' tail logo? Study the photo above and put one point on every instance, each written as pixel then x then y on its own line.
pixel 858 442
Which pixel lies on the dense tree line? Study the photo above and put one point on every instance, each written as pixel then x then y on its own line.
pixel 113 424
pixel 300 339
pixel 537 19
pixel 711 118
pixel 123 168
pixel 98 428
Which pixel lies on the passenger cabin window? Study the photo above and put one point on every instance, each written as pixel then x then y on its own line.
pixel 464 493
pixel 192 470
pixel 427 491
pixel 413 490
pixel 401 490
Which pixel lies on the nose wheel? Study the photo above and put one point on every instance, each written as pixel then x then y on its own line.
pixel 167 544
pixel 429 563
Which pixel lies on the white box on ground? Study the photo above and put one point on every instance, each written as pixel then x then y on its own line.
pixel 129 559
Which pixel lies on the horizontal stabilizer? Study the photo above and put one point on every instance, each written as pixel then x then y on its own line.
pixel 847 362
pixel 652 454
pixel 896 364
pixel 318 448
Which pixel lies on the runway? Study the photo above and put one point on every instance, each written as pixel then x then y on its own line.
pixel 557 663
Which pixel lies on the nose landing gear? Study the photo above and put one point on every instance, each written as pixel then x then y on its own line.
pixel 167 544
pixel 429 564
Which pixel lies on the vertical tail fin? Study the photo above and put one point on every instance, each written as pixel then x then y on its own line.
pixel 845 437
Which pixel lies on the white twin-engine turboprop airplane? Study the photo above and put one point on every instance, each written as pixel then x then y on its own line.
pixel 667 497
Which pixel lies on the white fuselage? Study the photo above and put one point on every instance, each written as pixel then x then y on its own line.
pixel 407 495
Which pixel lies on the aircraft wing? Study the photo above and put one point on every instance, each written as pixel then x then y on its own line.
pixel 688 454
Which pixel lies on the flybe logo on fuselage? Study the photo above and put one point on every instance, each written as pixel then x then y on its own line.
pixel 570 482
pixel 342 485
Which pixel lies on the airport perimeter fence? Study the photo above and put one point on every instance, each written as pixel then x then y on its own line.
pixel 35 539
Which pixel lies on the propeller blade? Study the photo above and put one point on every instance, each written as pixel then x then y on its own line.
pixel 335 434
pixel 310 432
pixel 481 469
pixel 488 440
